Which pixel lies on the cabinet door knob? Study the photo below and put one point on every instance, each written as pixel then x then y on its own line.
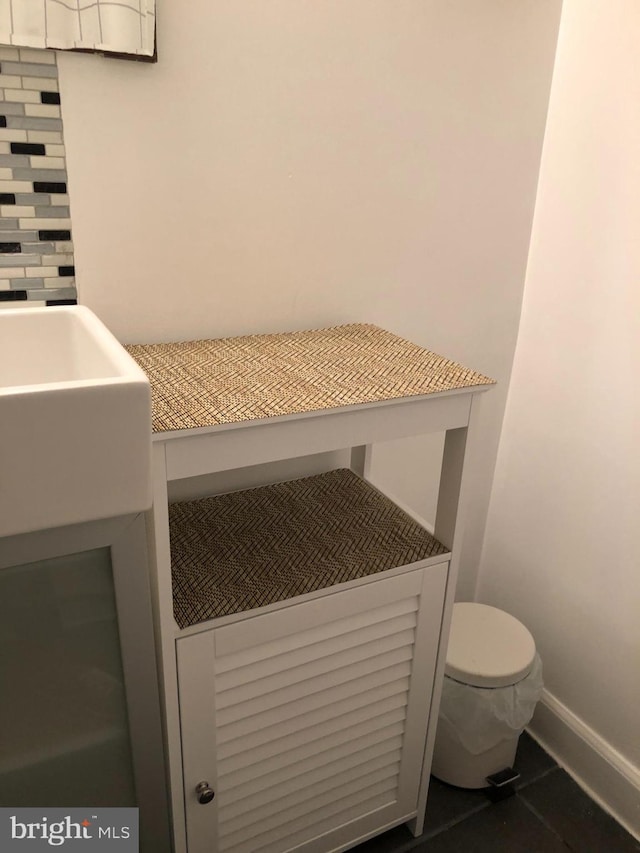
pixel 204 792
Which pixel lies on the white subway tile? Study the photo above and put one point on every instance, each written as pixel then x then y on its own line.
pixel 42 110
pixel 5 148
pixel 9 54
pixel 58 282
pixel 47 162
pixel 6 173
pixel 59 199
pixel 42 84
pixel 9 81
pixel 58 260
pixel 5 284
pixel 48 224
pixel 53 136
pixel 55 150
pixel 15 186
pixel 64 246
pixel 21 96
pixel 12 135
pixel 42 57
pixel 13 272
pixel 40 272
pixel 13 210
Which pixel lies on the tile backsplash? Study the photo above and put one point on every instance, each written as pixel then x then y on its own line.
pixel 36 248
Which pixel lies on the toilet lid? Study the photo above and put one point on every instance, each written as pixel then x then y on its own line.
pixel 488 647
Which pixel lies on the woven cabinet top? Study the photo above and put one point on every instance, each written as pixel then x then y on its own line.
pixel 210 382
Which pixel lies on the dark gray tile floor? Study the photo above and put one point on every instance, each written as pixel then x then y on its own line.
pixel 549 813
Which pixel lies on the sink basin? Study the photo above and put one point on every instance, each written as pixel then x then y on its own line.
pixel 75 421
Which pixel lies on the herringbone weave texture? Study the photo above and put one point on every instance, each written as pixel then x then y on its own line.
pixel 204 383
pixel 238 551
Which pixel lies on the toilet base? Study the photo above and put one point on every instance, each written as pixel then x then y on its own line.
pixel 455 765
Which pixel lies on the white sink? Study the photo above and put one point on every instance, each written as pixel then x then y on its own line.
pixel 75 421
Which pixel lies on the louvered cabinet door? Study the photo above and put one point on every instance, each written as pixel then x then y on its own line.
pixel 309 722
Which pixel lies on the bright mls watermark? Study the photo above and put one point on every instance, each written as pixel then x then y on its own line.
pixel 79 830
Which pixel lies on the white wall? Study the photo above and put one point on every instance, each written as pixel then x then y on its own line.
pixel 296 164
pixel 562 550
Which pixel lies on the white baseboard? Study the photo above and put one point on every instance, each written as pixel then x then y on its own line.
pixel 606 775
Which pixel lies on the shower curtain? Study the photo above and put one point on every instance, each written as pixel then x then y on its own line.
pixel 118 26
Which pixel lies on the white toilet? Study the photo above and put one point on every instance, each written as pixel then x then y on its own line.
pixel 493 679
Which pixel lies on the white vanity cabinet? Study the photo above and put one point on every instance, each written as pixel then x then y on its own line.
pixel 303 720
pixel 309 722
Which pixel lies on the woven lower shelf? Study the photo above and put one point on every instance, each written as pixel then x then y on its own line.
pixel 238 551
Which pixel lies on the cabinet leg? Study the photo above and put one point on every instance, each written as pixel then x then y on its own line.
pixel 361 460
pixel 454 485
pixel 447 514
pixel 415 826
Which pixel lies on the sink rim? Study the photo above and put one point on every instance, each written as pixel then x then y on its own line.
pixel 124 369
pixel 74 450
